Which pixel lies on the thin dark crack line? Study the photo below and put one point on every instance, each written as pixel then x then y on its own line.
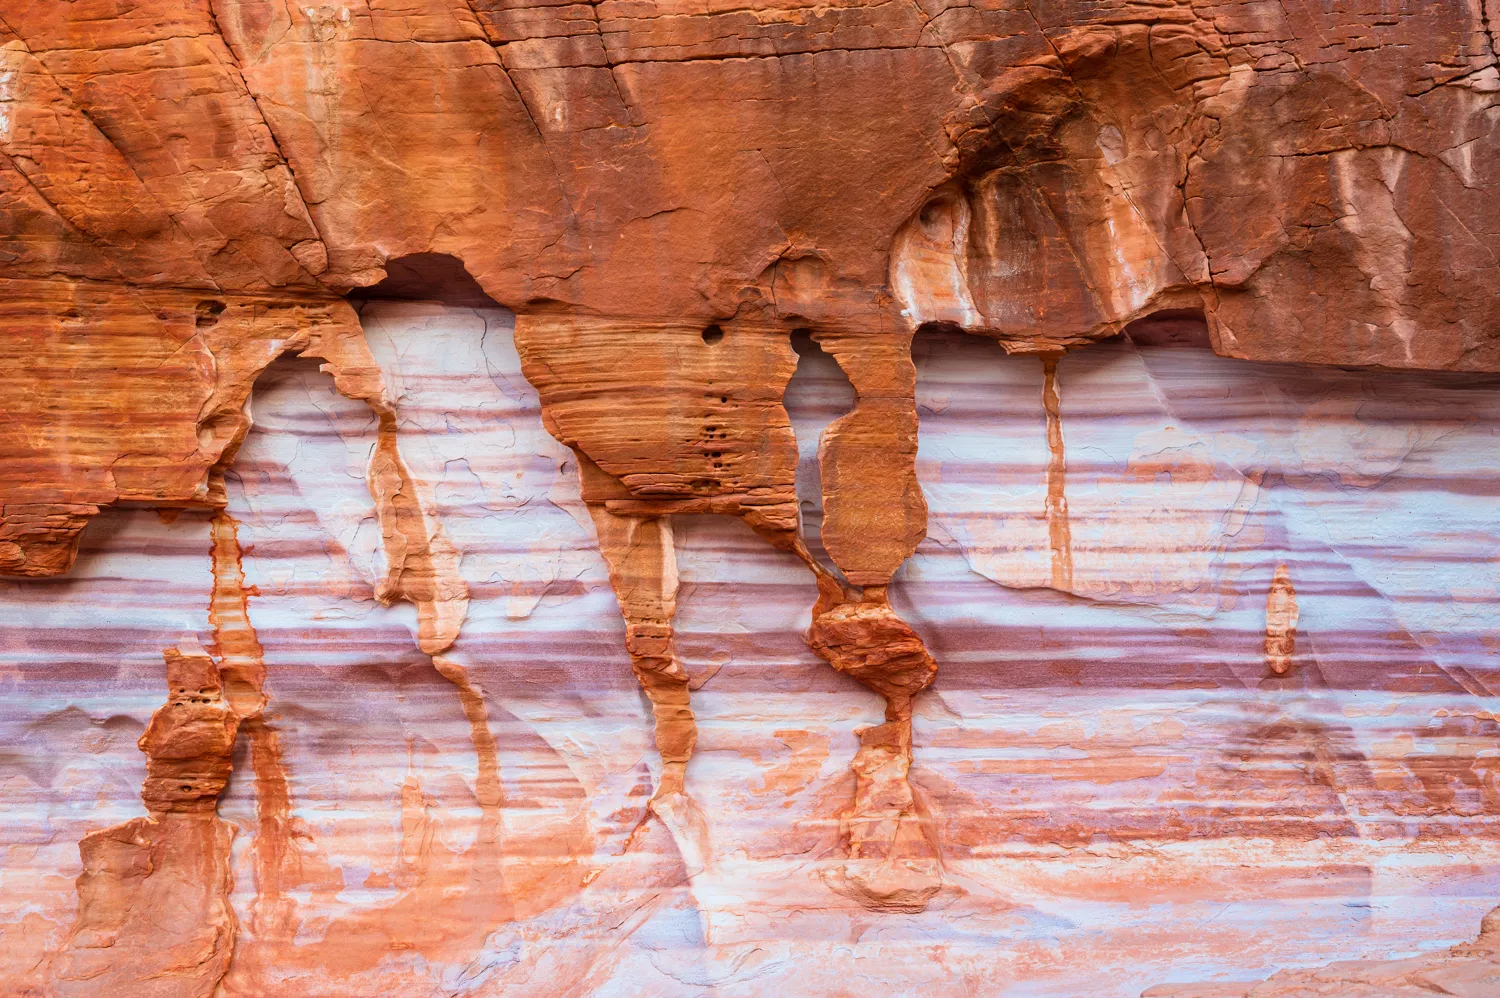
pixel 541 137
pixel 237 68
pixel 120 153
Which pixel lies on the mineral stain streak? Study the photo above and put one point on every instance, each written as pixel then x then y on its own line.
pixel 236 645
pixel 1281 622
pixel 893 863
pixel 154 914
pixel 422 565
pixel 163 931
pixel 242 664
pixel 134 870
pixel 175 220
pixel 468 886
pixel 1058 531
pixel 643 572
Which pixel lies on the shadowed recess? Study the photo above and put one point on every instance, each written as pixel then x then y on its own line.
pixel 1171 327
pixel 818 393
pixel 426 277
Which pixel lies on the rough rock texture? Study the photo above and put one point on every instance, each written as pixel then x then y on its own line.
pixel 1106 786
pixel 153 899
pixel 1150 633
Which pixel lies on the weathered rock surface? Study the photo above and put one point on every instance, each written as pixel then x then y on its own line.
pixel 1107 786
pixel 666 352
pixel 1318 184
pixel 1467 970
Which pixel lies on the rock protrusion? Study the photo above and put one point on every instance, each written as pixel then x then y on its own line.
pixel 189 739
pixel 893 864
pixel 154 915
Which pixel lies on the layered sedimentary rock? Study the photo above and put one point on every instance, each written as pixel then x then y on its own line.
pixel 1471 968
pixel 699 553
pixel 1095 772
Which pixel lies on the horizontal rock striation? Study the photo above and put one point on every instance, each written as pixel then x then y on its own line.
pixel 1032 465
pixel 1094 772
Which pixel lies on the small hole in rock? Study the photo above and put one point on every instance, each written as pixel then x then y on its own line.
pixel 713 334
pixel 209 312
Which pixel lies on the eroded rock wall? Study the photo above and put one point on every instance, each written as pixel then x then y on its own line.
pixel 1098 769
pixel 700 552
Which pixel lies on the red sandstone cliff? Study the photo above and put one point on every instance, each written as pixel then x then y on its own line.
pixel 662 195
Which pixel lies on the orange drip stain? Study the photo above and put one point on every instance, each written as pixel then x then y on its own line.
pixel 808 751
pixel 421 565
pixel 643 574
pixel 273 807
pixel 236 645
pixel 408 558
pixel 178 929
pixel 243 669
pixel 487 785
pixel 1281 622
pixel 1059 533
pixel 450 899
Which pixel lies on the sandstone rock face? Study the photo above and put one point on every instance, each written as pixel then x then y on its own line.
pixel 1104 785
pixel 628 498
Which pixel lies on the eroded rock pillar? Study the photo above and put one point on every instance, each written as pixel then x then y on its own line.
pixel 154 916
pixel 874 517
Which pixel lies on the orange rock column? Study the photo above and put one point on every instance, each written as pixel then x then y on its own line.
pixel 874 517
